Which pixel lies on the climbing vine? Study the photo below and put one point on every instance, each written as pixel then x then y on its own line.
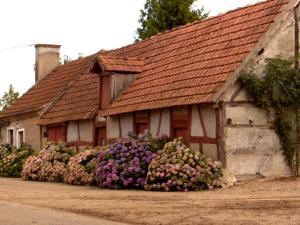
pixel 279 92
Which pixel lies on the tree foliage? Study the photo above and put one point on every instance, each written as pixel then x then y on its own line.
pixel 65 60
pixel 162 15
pixel 280 92
pixel 8 98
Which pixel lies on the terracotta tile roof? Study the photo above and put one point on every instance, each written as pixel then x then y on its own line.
pixel 121 64
pixel 188 65
pixel 47 89
pixel 80 101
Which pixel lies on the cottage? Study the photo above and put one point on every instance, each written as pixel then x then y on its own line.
pixel 182 82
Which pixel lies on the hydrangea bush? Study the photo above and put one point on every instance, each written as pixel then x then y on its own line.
pixel 81 167
pixel 125 164
pixel 178 168
pixel 4 151
pixel 12 160
pixel 49 164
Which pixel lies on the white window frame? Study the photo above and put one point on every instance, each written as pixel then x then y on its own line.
pixel 8 136
pixel 17 135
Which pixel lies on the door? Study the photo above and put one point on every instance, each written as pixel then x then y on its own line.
pixel 141 127
pixel 101 136
pixel 180 123
pixel 181 132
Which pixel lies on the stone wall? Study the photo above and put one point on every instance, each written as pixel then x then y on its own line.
pixel 252 145
pixel 250 141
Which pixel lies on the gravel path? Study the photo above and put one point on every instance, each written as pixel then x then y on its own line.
pixel 257 202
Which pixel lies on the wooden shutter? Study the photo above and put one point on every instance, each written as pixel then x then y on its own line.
pixel 141 122
pixel 57 133
pixel 51 134
pixel 180 123
pixel 60 133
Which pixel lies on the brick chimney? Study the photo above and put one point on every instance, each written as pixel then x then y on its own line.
pixel 46 59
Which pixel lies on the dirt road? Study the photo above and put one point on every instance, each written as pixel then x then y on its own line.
pixel 257 202
pixel 21 214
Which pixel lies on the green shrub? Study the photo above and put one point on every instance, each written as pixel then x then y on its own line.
pixel 125 164
pixel 81 167
pixel 178 168
pixel 12 160
pixel 49 164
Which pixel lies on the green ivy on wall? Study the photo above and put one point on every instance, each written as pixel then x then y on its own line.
pixel 279 91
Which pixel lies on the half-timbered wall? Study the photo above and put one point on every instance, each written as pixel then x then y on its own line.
pixel 160 122
pixel 126 124
pixel 80 132
pixel 198 124
pixel 204 130
pixel 77 133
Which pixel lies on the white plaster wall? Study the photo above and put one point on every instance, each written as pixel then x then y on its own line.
pixel 195 146
pixel 165 123
pixel 72 131
pixel 196 129
pixel 112 127
pixel 281 44
pixel 86 130
pixel 126 123
pixel 155 114
pixel 253 149
pixel 211 151
pixel 209 119
pixel 247 113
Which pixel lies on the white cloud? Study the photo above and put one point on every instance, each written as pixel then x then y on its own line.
pixel 79 26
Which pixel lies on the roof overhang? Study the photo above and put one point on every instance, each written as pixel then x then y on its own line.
pixel 112 63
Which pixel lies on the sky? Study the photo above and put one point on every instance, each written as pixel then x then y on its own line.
pixel 79 26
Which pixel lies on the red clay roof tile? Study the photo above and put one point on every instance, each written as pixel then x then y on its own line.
pixel 46 90
pixel 121 64
pixel 79 102
pixel 183 66
pixel 189 64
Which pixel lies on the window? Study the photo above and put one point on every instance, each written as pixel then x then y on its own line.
pixel 141 122
pixel 105 92
pixel 20 137
pixel 10 136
